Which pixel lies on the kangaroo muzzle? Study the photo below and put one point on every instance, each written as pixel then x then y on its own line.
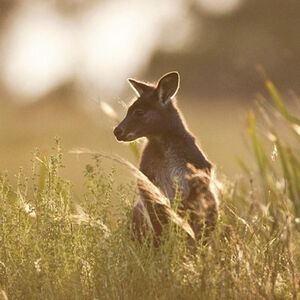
pixel 123 135
pixel 119 133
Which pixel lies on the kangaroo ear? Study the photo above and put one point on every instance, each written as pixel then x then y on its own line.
pixel 168 86
pixel 138 86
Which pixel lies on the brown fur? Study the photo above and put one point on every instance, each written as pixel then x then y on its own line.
pixel 171 153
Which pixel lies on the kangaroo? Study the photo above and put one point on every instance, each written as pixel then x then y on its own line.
pixel 171 153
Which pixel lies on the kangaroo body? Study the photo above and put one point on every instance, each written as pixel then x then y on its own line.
pixel 166 158
pixel 171 155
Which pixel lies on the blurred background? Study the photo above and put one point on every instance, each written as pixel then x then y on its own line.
pixel 60 58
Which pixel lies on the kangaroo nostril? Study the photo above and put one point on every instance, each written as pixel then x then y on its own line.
pixel 118 131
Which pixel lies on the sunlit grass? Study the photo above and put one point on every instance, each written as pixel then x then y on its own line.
pixel 55 247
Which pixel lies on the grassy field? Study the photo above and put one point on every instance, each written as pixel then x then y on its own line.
pixel 58 244
pixel 219 125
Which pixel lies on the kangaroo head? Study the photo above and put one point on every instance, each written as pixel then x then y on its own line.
pixel 149 114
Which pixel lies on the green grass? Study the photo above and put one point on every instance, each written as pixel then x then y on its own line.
pixel 55 247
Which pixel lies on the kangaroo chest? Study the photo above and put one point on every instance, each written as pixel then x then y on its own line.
pixel 166 170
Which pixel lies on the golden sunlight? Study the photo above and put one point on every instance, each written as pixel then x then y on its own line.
pixel 38 51
pixel 219 6
pixel 97 47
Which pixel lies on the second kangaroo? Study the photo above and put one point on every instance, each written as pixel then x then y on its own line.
pixel 171 153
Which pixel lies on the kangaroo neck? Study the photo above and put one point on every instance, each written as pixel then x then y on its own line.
pixel 174 127
pixel 175 136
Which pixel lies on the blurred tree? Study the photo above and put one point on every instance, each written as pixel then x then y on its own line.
pixel 6 6
pixel 226 49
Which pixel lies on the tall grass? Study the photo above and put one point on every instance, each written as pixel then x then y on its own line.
pixel 52 247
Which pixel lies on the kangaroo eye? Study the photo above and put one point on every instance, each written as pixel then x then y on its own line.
pixel 139 112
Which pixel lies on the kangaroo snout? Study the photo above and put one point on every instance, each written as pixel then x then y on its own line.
pixel 119 132
pixel 126 131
